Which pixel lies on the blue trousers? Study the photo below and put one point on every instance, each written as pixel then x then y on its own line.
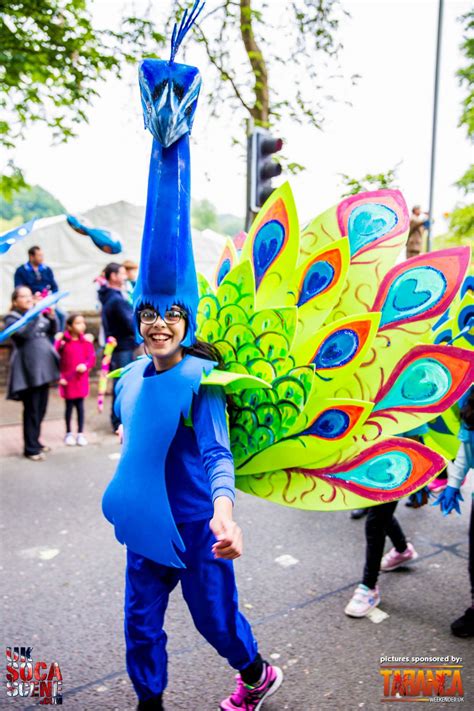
pixel 210 592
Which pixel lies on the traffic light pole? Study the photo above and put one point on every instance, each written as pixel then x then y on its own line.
pixel 249 214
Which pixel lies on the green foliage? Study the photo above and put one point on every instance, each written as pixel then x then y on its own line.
pixel 461 222
pixel 466 74
pixel 466 182
pixel 52 59
pixel 11 181
pixel 249 47
pixel 204 217
pixel 29 203
pixel 370 181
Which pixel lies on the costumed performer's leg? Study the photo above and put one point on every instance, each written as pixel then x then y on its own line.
pixel 210 592
pixel 147 589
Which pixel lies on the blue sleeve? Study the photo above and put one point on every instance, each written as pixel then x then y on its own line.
pixel 52 281
pixel 19 278
pixel 210 426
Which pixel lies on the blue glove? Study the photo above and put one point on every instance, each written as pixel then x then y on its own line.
pixel 448 500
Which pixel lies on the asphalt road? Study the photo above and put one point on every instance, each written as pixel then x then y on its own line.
pixel 62 587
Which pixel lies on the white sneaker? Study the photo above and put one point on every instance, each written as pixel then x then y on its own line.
pixel 363 601
pixel 70 440
pixel 81 440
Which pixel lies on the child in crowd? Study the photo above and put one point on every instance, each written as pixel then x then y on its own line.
pixel 77 357
pixel 380 523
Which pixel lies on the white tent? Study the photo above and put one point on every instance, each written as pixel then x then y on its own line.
pixel 76 261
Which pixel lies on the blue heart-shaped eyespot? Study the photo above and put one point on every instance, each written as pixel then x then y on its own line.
pixel 223 271
pixel 410 297
pixel 426 381
pixel 330 424
pixel 337 350
pixel 267 244
pixel 384 471
pixel 368 223
pixel 412 293
pixel 317 278
pixel 422 383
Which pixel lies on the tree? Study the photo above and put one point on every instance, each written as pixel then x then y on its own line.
pixel 204 215
pixel 51 60
pixel 29 203
pixel 370 181
pixel 461 221
pixel 249 46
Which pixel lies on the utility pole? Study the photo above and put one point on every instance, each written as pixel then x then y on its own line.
pixel 435 121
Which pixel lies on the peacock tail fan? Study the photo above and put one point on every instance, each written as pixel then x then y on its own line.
pixel 342 337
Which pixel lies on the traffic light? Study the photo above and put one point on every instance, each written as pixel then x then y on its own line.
pixel 260 167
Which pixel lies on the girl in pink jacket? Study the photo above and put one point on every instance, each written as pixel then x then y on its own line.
pixel 77 357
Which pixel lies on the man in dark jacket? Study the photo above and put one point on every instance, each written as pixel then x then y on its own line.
pixel 35 273
pixel 39 278
pixel 117 321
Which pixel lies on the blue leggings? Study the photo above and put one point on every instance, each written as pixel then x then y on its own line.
pixel 209 589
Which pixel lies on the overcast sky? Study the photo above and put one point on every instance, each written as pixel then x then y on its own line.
pixel 391 44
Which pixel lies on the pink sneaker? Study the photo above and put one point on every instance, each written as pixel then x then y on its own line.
pixel 393 559
pixel 251 698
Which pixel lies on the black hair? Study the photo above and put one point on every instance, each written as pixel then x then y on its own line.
pixel 32 250
pixel 201 349
pixel 112 268
pixel 71 318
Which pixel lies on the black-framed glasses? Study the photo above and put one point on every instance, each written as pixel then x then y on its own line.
pixel 171 316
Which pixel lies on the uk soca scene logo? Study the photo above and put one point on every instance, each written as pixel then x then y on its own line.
pixel 432 679
pixel 29 679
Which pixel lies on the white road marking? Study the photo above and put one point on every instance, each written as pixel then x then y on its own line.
pixel 41 552
pixel 286 560
pixel 377 615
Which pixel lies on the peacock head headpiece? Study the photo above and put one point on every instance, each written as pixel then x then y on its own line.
pixel 169 93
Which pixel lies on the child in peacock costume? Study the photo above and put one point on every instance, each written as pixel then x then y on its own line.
pixel 171 499
pixel 322 351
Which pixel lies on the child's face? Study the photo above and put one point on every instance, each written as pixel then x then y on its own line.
pixel 163 340
pixel 78 326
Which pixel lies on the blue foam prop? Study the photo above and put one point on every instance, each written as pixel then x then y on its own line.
pixel 8 239
pixel 102 239
pixel 32 313
pixel 136 500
